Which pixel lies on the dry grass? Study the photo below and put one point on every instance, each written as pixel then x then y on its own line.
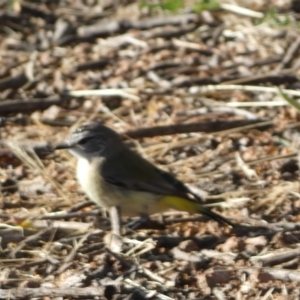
pixel 210 88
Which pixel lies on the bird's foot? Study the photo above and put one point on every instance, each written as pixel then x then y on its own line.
pixel 144 222
pixel 113 241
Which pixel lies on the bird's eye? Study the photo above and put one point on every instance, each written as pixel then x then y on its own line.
pixel 84 141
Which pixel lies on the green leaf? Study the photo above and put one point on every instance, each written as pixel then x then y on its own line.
pixel 172 5
pixel 201 5
pixel 291 101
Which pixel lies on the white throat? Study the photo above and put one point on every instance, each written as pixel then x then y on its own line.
pixel 82 172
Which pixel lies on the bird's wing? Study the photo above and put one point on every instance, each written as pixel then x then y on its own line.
pixel 179 185
pixel 129 170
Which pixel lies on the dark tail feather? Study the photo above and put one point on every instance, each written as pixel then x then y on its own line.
pixel 207 212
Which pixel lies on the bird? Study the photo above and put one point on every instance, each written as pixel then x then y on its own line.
pixel 113 175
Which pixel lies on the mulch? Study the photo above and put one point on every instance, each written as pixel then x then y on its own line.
pixel 205 95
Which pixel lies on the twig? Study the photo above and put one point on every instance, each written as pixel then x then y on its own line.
pixel 208 127
pixel 17 106
pixel 107 28
pixel 125 93
pixel 31 239
pixel 242 11
pixel 26 293
pixel 67 226
pixel 275 257
pixel 258 104
pixel 14 82
pixel 193 140
pixel 217 108
pixel 137 285
pixel 193 46
pixel 72 254
pixel 250 173
pixel 248 88
pixel 143 246
pixel 268 294
pixel 34 162
pixel 67 215
pixel 290 54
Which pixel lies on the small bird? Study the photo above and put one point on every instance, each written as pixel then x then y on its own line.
pixel 113 175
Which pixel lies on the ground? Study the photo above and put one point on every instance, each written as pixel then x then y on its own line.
pixel 209 95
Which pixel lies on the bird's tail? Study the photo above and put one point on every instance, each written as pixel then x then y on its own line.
pixel 190 206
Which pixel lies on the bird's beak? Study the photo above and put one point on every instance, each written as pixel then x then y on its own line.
pixel 64 145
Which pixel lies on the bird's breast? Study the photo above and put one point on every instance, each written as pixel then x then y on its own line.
pixel 106 195
pixel 88 176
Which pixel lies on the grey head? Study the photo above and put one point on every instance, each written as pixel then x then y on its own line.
pixel 92 140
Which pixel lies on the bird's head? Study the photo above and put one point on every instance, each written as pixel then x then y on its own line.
pixel 92 140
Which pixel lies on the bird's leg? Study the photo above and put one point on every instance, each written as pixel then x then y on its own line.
pixel 138 223
pixel 144 221
pixel 115 219
pixel 113 240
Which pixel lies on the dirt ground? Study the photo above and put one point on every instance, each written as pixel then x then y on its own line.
pixel 209 95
